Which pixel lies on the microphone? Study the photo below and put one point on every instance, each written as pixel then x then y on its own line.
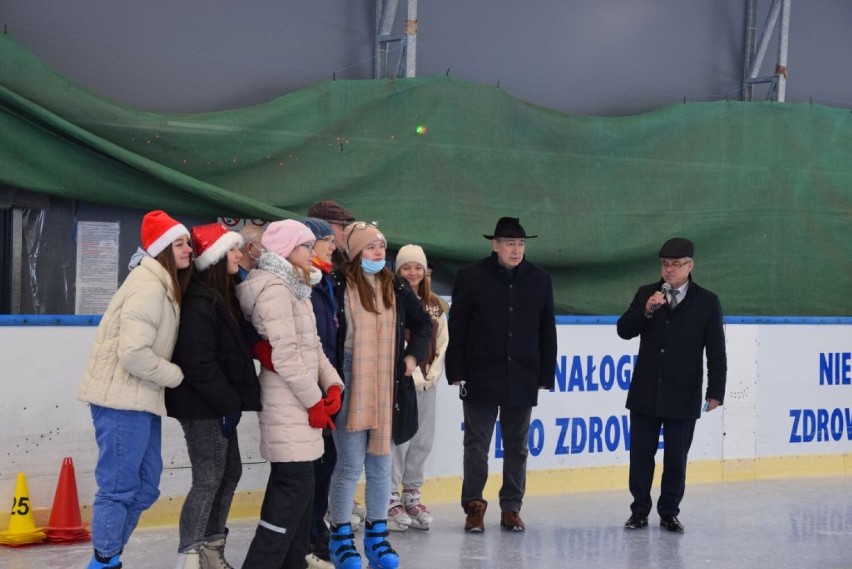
pixel 666 289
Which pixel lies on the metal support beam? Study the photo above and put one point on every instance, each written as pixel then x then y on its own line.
pixel 754 60
pixel 783 42
pixel 385 15
pixel 765 36
pixel 751 29
pixel 411 40
pixel 395 54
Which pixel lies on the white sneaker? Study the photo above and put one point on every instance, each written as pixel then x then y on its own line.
pixel 315 562
pixel 398 519
pixel 397 526
pixel 419 514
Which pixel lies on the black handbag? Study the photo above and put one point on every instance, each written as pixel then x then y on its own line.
pixel 405 418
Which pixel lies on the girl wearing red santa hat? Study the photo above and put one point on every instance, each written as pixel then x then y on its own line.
pixel 128 370
pixel 219 383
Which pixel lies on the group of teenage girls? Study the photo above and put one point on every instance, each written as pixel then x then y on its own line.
pixel 338 348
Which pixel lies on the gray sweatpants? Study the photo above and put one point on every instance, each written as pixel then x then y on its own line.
pixel 409 459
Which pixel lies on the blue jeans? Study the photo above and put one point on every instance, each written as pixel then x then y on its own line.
pixel 352 460
pixel 127 474
pixel 216 471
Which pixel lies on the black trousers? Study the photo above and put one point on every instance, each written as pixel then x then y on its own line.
pixel 479 423
pixel 281 539
pixel 323 468
pixel 644 440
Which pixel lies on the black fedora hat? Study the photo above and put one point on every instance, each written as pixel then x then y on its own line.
pixel 509 228
pixel 676 248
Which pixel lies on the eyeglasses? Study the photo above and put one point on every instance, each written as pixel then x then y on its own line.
pixel 360 226
pixel 308 246
pixel 328 239
pixel 674 264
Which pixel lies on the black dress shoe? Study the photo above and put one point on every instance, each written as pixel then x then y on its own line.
pixel 671 523
pixel 635 521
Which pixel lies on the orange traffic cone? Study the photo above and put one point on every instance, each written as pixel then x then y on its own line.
pixel 22 530
pixel 66 525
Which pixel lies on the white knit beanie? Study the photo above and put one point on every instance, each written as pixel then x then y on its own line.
pixel 411 254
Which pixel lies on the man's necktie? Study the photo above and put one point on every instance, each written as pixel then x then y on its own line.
pixel 673 301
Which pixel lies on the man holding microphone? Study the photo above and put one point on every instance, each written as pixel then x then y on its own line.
pixel 677 321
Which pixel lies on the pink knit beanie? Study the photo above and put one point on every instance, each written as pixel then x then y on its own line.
pixel 283 236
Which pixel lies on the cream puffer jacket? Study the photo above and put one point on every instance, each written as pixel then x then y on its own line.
pixel 280 308
pixel 129 365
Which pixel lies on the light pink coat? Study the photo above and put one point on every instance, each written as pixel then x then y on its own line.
pixel 302 371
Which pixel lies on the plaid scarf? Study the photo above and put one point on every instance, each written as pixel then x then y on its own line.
pixel 371 388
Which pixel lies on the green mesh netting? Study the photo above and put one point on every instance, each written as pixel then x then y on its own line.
pixel 762 188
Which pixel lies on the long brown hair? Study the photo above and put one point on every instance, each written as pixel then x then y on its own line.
pixel 218 279
pixel 357 278
pixel 180 277
pixel 424 289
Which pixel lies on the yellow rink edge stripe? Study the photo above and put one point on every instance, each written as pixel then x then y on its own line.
pixel 444 490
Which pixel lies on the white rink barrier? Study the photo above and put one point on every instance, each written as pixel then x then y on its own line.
pixel 789 396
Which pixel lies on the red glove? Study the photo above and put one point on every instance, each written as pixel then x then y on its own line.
pixel 332 400
pixel 318 418
pixel 262 352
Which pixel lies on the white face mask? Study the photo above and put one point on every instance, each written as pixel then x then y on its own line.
pixel 248 250
pixel 372 267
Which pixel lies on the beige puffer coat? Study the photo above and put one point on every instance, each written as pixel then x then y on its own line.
pixel 302 371
pixel 129 365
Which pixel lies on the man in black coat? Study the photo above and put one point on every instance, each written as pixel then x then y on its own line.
pixel 502 350
pixel 677 322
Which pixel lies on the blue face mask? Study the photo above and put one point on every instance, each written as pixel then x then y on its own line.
pixel 372 267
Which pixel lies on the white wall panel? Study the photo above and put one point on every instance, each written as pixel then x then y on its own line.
pixel 776 405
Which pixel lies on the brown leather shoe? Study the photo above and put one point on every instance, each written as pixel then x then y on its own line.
pixel 511 521
pixel 475 522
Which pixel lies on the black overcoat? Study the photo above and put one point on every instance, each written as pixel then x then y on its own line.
pixel 669 371
pixel 502 333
